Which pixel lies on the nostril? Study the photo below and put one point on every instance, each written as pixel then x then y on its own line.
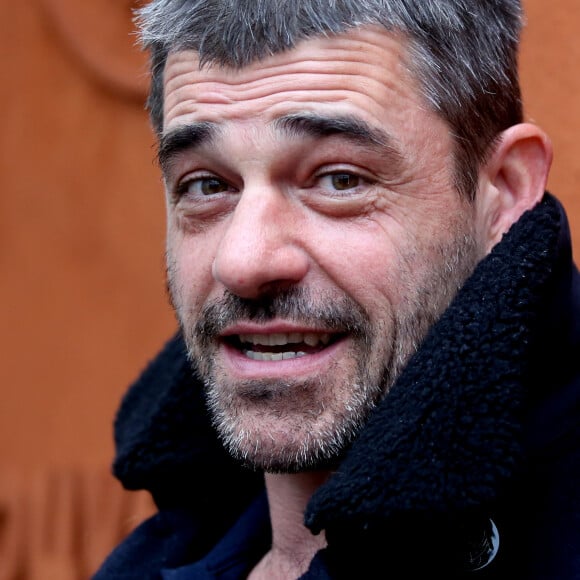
pixel 257 272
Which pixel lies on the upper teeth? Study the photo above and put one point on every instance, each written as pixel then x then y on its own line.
pixel 278 339
pixel 273 355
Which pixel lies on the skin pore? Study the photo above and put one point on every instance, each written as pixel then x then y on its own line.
pixel 313 236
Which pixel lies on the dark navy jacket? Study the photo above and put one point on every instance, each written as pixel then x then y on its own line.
pixel 482 426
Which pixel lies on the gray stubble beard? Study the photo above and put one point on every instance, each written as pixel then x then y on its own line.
pixel 322 448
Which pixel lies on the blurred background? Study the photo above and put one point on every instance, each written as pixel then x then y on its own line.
pixel 82 296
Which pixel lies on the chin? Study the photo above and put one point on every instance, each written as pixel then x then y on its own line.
pixel 289 428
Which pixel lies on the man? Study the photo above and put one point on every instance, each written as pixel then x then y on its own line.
pixel 379 314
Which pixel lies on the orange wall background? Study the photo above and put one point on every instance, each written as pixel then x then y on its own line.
pixel 82 298
pixel 550 61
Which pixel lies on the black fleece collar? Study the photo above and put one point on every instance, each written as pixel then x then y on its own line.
pixel 447 436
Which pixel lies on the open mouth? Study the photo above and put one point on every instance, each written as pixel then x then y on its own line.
pixel 281 346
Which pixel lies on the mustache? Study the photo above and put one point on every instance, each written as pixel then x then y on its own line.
pixel 298 305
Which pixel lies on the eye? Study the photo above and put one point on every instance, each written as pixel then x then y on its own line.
pixel 203 185
pixel 341 181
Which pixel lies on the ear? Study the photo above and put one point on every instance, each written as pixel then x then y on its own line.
pixel 512 181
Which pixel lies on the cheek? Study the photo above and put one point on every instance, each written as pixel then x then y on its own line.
pixel 362 259
pixel 189 266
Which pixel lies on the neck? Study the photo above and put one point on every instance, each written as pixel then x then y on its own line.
pixel 293 545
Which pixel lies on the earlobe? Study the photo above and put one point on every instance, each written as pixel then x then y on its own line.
pixel 513 180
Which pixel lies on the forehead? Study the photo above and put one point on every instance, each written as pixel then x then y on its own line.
pixel 363 72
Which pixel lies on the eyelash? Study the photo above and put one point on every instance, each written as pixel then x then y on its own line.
pixel 183 186
pixel 362 180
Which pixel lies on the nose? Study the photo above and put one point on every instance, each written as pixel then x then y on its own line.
pixel 261 249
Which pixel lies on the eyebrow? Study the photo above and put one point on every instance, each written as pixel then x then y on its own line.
pixel 200 133
pixel 190 136
pixel 349 127
pixel 316 125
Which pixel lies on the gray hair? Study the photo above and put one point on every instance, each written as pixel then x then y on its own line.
pixel 463 52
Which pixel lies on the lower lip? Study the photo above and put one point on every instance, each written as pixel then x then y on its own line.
pixel 243 367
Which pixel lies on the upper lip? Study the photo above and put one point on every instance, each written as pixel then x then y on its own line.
pixel 278 334
pixel 273 327
pixel 285 338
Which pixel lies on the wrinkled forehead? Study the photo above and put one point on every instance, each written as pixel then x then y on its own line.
pixel 362 69
pixel 355 85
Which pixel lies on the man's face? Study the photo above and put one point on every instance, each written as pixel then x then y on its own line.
pixel 314 235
